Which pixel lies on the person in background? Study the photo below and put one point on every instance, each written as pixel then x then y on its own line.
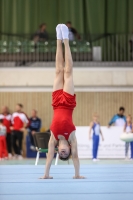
pixel 128 128
pixel 35 125
pixel 3 149
pixel 118 119
pixel 131 47
pixel 41 35
pixel 73 34
pixel 95 127
pixel 6 116
pixel 19 123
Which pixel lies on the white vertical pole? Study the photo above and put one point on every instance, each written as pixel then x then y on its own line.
pixel 37 158
pixel 57 158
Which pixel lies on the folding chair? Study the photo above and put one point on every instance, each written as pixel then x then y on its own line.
pixel 41 142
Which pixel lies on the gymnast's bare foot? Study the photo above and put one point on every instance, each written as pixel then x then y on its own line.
pixel 46 177
pixel 78 177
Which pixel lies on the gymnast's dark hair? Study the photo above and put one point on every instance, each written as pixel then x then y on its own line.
pixel 67 158
pixel 68 22
pixel 20 105
pixel 41 25
pixel 121 108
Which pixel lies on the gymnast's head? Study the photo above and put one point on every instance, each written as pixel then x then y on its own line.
pixel 95 117
pixel 5 110
pixel 129 118
pixel 64 150
pixel 19 107
pixel 121 110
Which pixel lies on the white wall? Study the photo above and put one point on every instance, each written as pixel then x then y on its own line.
pixel 83 77
pixel 111 147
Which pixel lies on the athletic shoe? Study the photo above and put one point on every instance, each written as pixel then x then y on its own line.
pixel 20 157
pixel 10 156
pixel 15 157
pixel 126 158
pixel 97 160
pixel 33 148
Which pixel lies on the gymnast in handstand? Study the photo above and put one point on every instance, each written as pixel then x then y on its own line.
pixel 63 102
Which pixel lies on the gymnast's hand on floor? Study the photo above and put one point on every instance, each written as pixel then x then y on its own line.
pixel 78 177
pixel 46 177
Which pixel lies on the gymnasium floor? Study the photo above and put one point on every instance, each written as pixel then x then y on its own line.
pixel 107 179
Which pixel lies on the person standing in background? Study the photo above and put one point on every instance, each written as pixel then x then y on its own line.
pixel 131 47
pixel 128 128
pixel 3 149
pixel 95 126
pixel 118 119
pixel 41 35
pixel 35 125
pixel 19 123
pixel 6 116
pixel 73 34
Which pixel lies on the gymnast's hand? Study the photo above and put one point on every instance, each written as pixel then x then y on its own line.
pixel 78 177
pixel 46 177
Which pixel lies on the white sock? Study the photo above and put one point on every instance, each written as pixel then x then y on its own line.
pixel 65 31
pixel 58 32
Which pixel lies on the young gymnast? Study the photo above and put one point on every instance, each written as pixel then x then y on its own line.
pixel 95 126
pixel 3 148
pixel 128 128
pixel 63 102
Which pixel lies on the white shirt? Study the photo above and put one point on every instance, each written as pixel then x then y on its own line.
pixel 2 130
pixel 128 129
pixel 120 122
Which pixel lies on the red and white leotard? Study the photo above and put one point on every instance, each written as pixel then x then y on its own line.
pixel 63 104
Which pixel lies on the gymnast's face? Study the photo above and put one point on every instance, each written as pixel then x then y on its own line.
pixel 64 150
pixel 95 118
pixel 18 108
pixel 4 110
pixel 129 119
pixel 121 112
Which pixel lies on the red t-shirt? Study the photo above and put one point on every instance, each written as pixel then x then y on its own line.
pixel 6 121
pixel 63 105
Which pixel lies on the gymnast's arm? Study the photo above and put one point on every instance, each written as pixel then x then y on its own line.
pixel 124 130
pixel 75 158
pixel 101 134
pixel 51 151
pixel 112 121
pixel 91 125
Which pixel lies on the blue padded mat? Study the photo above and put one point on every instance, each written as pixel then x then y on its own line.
pixel 111 182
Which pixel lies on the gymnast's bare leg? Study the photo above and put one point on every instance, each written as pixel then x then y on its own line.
pixel 63 80
pixel 69 88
